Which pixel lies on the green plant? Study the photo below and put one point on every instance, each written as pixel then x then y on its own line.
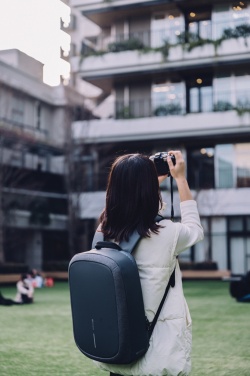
pixel 242 107
pixel 187 40
pixel 168 109
pixel 128 44
pixel 223 106
pixel 187 37
pixel 199 43
pixel 164 49
pixel 123 113
pixel 239 31
pixel 192 40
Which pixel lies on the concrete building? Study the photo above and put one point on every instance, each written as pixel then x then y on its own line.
pixel 34 127
pixel 177 75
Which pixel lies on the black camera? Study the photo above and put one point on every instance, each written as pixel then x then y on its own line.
pixel 161 164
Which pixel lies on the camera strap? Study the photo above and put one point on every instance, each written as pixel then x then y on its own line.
pixel 172 198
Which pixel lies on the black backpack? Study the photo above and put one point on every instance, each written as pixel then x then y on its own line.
pixel 109 321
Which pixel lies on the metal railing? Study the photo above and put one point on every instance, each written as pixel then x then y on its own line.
pixel 198 179
pixel 25 128
pixel 149 38
pixel 215 101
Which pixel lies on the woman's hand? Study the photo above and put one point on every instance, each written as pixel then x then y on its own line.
pixel 179 169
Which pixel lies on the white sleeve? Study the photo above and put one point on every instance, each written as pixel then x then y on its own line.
pixel 21 289
pixel 191 231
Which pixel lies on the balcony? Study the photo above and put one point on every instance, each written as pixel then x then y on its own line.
pixel 132 57
pixel 214 202
pixel 170 127
pixel 91 7
pixel 202 99
pixel 23 129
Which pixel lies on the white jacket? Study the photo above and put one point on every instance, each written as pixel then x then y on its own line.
pixel 25 288
pixel 170 345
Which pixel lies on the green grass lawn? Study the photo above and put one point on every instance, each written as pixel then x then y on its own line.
pixel 37 340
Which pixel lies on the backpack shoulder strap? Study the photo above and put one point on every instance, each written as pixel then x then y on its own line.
pixel 98 237
pixel 130 245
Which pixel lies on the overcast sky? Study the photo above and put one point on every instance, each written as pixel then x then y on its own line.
pixel 33 26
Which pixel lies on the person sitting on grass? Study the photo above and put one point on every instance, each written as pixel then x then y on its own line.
pixel 25 290
pixel 36 279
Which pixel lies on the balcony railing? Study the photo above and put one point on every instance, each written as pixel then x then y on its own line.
pixel 214 101
pixel 20 199
pixel 147 39
pixel 14 125
pixel 199 179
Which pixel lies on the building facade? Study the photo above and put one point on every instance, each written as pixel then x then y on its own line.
pixel 174 75
pixel 34 128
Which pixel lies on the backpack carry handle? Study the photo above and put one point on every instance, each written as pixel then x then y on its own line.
pixel 127 246
pixel 100 245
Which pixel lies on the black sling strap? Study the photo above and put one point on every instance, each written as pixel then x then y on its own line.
pixel 171 283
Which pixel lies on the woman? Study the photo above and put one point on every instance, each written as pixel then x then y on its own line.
pixel 25 290
pixel 132 202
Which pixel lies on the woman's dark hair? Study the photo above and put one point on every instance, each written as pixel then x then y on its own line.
pixel 132 198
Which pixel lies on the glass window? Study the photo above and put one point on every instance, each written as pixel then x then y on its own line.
pixel 224 166
pixel 236 224
pixel 223 100
pixel 206 99
pixel 194 99
pixel 193 27
pixel 242 162
pixel 168 98
pixel 240 13
pixel 220 20
pixel 200 168
pixel 166 27
pixel 38 115
pixel 200 28
pixel 242 84
pixel 17 109
pixel 200 97
pixel 248 223
pixel 205 29
pixel 232 165
pixel 199 23
pixel 229 16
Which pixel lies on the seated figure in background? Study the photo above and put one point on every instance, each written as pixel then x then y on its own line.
pixel 37 279
pixel 25 290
